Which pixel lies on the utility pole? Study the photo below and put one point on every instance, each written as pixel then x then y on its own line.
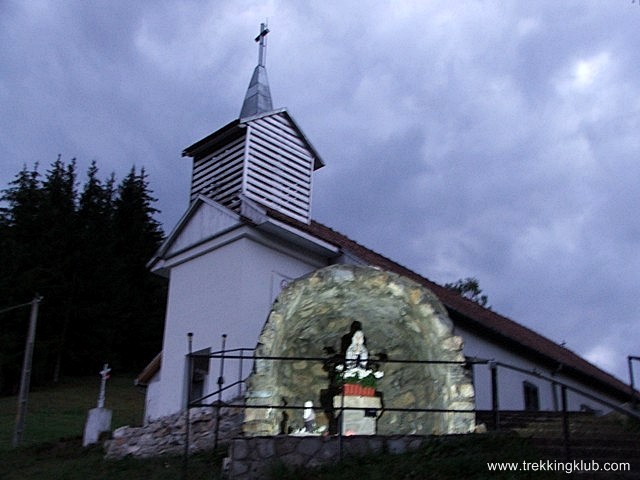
pixel 26 373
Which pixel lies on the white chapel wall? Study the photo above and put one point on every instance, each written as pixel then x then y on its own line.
pixel 227 290
pixel 152 398
pixel 510 383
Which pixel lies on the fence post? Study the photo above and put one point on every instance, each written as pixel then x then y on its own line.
pixel 565 423
pixel 187 420
pixel 240 372
pixel 220 383
pixel 341 425
pixel 495 403
pixel 634 397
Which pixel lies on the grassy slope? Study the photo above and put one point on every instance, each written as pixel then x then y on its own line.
pixel 60 412
pixel 52 447
pixel 69 461
pixel 444 458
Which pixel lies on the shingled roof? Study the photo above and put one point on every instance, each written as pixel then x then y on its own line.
pixel 472 316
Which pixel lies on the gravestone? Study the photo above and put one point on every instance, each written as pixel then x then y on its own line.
pixel 401 319
pixel 99 418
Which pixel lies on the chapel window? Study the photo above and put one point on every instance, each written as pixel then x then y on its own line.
pixel 531 397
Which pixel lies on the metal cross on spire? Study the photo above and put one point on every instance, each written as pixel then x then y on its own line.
pixel 262 39
pixel 258 97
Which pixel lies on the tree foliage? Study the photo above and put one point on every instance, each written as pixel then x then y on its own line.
pixel 469 288
pixel 84 249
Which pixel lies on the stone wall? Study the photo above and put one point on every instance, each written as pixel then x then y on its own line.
pixel 167 435
pixel 254 458
pixel 400 319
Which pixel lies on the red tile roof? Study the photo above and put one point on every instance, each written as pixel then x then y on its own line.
pixel 471 315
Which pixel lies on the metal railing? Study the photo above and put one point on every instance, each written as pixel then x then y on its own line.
pixel 243 355
pixel 564 389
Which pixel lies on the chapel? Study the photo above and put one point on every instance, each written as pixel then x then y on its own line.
pixel 248 233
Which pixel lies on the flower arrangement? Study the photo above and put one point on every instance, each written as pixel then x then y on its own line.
pixel 358 375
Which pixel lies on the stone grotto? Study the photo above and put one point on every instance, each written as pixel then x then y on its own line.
pixel 400 319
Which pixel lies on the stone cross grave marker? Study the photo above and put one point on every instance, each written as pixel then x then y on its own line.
pixel 98 419
pixel 104 375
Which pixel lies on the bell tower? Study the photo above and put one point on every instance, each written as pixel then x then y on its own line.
pixel 263 155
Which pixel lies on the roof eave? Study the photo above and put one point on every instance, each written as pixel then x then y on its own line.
pixel 217 138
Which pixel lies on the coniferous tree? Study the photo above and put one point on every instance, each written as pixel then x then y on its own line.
pixel 90 332
pixel 139 236
pixel 20 218
pixel 17 227
pixel 86 254
pixel 58 281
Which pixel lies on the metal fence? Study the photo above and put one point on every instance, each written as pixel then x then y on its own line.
pixel 245 358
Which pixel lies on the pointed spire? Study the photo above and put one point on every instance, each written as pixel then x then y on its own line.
pixel 258 97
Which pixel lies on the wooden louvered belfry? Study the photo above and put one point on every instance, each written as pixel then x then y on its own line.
pixel 262 156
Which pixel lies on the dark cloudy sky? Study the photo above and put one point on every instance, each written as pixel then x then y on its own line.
pixel 495 139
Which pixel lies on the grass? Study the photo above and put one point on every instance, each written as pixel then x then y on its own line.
pixel 61 411
pixel 52 446
pixel 444 458
pixel 67 460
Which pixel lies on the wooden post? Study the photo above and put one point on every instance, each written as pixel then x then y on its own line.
pixel 187 420
pixel 634 397
pixel 220 384
pixel 495 403
pixel 565 423
pixel 25 380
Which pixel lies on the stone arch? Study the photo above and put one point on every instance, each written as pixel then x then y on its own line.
pixel 400 318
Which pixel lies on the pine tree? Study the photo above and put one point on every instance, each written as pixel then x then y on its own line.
pixel 90 333
pixel 86 254
pixel 58 280
pixel 18 227
pixel 140 309
pixel 20 220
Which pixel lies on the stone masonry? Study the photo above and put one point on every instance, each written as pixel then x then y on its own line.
pixel 400 319
pixel 254 458
pixel 167 435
